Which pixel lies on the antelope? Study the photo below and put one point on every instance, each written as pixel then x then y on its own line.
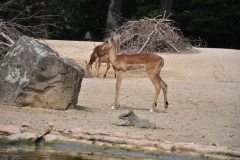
pixel 98 53
pixel 147 62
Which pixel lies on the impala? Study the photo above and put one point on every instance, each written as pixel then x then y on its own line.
pixel 98 53
pixel 147 62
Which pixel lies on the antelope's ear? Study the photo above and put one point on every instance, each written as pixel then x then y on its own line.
pixel 112 39
pixel 113 34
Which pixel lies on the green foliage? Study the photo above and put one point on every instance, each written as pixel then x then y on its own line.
pixel 10 9
pixel 76 17
pixel 140 8
pixel 3 51
pixel 217 21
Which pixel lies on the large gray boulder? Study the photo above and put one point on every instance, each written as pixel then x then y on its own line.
pixel 32 74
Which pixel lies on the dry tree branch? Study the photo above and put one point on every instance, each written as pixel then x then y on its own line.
pixel 5 44
pixel 197 42
pixel 146 41
pixel 151 35
pixel 31 6
pixel 173 46
pixel 7 38
pixel 11 30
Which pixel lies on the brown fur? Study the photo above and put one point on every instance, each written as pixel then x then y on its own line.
pixel 149 62
pixel 96 56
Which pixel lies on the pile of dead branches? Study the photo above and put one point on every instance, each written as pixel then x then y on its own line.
pixel 12 29
pixel 151 35
pixel 9 33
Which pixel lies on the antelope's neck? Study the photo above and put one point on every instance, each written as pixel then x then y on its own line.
pixel 112 53
pixel 92 58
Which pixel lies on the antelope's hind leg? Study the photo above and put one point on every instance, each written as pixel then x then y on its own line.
pixel 108 66
pixel 157 86
pixel 99 65
pixel 164 87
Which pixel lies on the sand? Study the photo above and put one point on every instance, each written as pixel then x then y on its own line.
pixel 203 96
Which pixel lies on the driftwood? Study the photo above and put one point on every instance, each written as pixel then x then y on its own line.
pixel 151 35
pixel 131 119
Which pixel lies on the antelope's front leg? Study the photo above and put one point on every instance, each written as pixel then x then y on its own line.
pixel 118 85
pixel 164 87
pixel 157 86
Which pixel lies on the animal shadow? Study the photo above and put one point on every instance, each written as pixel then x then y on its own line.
pixel 140 109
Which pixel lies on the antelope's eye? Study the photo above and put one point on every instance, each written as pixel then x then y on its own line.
pixel 106 40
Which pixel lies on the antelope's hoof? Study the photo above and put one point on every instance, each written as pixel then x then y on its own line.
pixel 151 110
pixel 113 107
pixel 166 105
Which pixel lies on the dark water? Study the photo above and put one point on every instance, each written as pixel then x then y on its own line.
pixel 81 152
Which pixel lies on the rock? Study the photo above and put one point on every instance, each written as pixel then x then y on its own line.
pixel 124 122
pixel 130 119
pixel 87 36
pixel 213 144
pixel 9 129
pixel 61 130
pixel 26 136
pixel 49 138
pixel 76 130
pixel 24 124
pixel 49 127
pixel 67 132
pixel 32 74
pixel 144 123
pixel 54 133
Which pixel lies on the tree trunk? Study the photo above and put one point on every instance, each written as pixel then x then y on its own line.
pixel 165 8
pixel 114 10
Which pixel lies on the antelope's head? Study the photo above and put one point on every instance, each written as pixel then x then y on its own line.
pixel 111 40
pixel 88 69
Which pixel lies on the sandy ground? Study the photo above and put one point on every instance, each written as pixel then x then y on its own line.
pixel 203 96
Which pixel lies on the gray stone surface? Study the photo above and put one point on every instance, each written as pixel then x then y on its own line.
pixel 26 136
pixel 9 129
pixel 131 119
pixel 32 74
